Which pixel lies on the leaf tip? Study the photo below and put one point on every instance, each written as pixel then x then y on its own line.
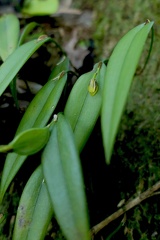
pixel 42 37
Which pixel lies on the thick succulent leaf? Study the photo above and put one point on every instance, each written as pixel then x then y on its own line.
pixel 34 211
pixel 43 105
pixel 37 114
pixel 120 71
pixel 9 26
pixel 63 175
pixel 16 60
pixel 29 141
pixel 9 29
pixel 84 104
pixel 26 31
pixel 36 7
pixel 9 171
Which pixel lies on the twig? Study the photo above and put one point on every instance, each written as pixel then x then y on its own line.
pixel 132 203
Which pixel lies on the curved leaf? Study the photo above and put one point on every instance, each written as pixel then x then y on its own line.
pixel 84 103
pixel 34 211
pixel 9 29
pixel 120 71
pixel 43 104
pixel 30 141
pixel 37 114
pixel 62 171
pixel 16 60
pixel 27 29
pixel 63 65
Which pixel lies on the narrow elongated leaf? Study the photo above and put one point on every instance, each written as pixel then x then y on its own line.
pixel 37 115
pixel 9 29
pixel 27 29
pixel 84 103
pixel 16 60
pixel 63 65
pixel 120 71
pixel 62 171
pixel 9 26
pixel 9 171
pixel 34 211
pixel 43 105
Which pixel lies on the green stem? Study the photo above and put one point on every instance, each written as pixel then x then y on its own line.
pixel 115 231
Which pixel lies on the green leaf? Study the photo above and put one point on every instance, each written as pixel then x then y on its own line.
pixel 63 174
pixel 44 103
pixel 63 65
pixel 120 71
pixel 29 141
pixel 16 60
pixel 36 7
pixel 34 211
pixel 9 26
pixel 37 114
pixel 84 103
pixel 12 164
pixel 9 29
pixel 27 29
